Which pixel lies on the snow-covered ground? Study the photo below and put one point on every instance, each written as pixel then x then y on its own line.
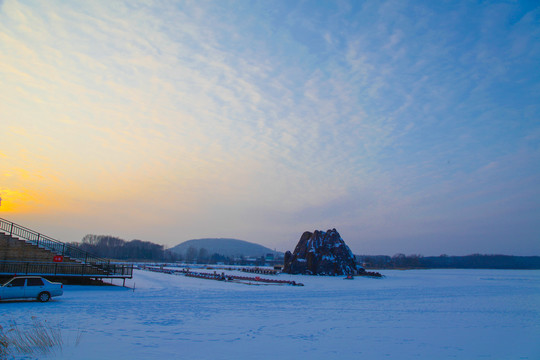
pixel 424 314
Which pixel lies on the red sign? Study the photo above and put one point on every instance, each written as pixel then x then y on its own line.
pixel 58 258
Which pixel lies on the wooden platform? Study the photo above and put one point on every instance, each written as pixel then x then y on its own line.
pixel 26 252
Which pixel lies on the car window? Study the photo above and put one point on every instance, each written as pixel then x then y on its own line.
pixel 34 282
pixel 17 282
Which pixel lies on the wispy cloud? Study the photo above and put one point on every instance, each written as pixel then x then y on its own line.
pixel 385 118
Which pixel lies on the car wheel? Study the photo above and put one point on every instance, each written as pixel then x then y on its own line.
pixel 44 296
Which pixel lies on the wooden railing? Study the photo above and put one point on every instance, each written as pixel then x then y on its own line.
pixel 59 247
pixel 64 269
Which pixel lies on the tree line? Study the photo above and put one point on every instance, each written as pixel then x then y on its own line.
pixel 474 261
pixel 112 247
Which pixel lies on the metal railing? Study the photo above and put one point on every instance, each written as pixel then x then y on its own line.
pixel 64 269
pixel 56 246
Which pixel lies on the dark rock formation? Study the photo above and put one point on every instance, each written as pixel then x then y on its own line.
pixel 321 253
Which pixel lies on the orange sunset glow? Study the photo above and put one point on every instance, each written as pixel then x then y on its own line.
pixel 172 121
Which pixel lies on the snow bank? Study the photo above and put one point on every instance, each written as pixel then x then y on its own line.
pixel 425 314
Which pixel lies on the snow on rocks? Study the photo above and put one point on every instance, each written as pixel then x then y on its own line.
pixel 321 253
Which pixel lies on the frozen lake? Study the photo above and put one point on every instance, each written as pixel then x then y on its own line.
pixel 417 314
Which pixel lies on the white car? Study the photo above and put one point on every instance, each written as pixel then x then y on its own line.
pixel 34 287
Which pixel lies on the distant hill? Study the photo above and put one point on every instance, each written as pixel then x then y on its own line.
pixel 223 246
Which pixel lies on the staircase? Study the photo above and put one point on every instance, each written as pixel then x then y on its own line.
pixel 24 251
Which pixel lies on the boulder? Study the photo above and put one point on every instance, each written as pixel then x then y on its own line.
pixel 321 253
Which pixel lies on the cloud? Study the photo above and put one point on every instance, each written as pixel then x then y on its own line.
pixel 389 119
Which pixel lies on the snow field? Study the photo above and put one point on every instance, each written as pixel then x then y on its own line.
pixel 420 314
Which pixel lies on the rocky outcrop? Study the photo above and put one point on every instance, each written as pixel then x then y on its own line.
pixel 321 253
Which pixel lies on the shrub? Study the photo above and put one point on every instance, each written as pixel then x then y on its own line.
pixel 40 338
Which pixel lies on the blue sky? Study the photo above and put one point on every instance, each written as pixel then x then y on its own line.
pixel 409 126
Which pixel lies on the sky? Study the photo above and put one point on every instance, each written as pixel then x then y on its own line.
pixel 409 126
